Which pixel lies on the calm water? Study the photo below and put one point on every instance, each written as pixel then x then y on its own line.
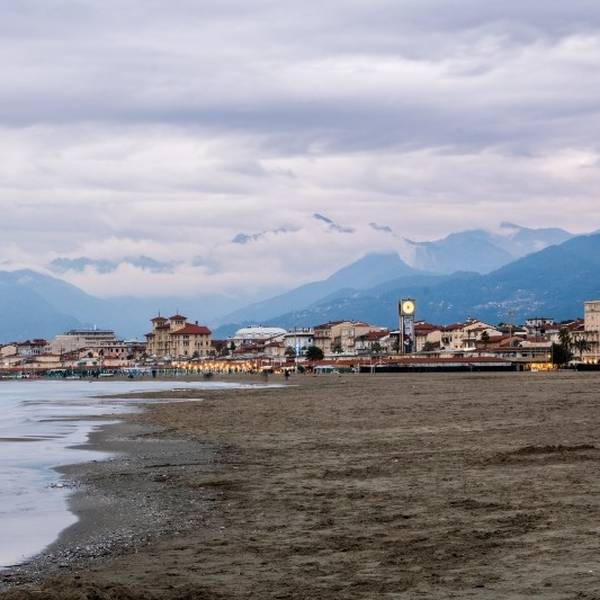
pixel 38 432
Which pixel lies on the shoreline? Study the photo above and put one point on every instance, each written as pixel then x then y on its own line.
pixel 110 522
pixel 112 518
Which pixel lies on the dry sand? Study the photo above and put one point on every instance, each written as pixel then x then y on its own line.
pixel 394 487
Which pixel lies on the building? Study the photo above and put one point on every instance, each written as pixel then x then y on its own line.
pixel 299 340
pixel 374 342
pixel 127 350
pixel 340 337
pixel 176 338
pixel 539 326
pixel 465 336
pixel 78 339
pixel 257 335
pixel 8 350
pixel 32 347
pixel 591 327
pixel 428 337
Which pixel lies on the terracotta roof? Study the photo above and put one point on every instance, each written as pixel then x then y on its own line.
pixel 192 330
pixel 427 327
pixel 177 318
pixel 247 349
pixel 33 343
pixel 158 319
pixel 537 339
pixel 453 327
pixel 373 335
pixel 328 324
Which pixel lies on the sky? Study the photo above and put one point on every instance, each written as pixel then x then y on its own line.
pixel 144 137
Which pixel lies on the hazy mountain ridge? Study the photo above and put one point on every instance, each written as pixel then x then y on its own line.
pixel 476 250
pixel 554 282
pixel 467 252
pixel 361 274
pixel 26 313
pixel 39 305
pixel 483 251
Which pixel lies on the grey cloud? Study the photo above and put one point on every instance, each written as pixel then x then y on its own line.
pixel 79 264
pixel 136 128
pixel 332 225
pixel 247 238
pixel 383 228
pixel 107 70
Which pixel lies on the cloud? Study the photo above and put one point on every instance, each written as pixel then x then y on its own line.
pixel 134 129
pixel 332 225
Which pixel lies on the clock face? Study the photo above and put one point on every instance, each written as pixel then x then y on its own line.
pixel 408 307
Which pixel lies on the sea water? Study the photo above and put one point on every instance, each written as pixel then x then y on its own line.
pixel 41 425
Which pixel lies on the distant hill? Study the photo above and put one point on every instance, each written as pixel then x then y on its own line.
pixel 25 312
pixel 362 274
pixel 483 251
pixel 474 251
pixel 553 282
pixel 37 305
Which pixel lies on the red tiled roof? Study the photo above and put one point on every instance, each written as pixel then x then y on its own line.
pixel 192 330
pixel 177 318
pixel 328 324
pixel 33 343
pixel 427 327
pixel 247 349
pixel 157 319
pixel 453 327
pixel 374 335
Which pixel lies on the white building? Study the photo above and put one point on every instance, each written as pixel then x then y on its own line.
pixel 464 336
pixel 78 339
pixel 591 328
pixel 299 340
pixel 257 335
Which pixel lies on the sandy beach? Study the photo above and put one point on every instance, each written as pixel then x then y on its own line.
pixel 399 486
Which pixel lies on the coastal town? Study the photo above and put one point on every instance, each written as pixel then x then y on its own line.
pixel 175 345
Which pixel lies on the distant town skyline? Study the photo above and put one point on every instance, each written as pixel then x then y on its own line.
pixel 204 140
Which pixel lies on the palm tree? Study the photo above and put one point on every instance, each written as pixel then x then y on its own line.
pixel 565 339
pixel 485 338
pixel 561 352
pixel 581 345
pixel 314 353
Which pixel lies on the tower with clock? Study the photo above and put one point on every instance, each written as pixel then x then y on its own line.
pixel 406 311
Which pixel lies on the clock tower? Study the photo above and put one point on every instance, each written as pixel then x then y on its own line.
pixel 406 339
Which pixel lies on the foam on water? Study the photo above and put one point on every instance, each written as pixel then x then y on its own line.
pixel 41 423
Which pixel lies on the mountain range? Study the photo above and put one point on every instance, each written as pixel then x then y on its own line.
pixel 482 251
pixel 520 272
pixel 37 305
pixel 554 282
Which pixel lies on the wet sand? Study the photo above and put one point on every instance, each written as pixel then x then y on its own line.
pixel 400 486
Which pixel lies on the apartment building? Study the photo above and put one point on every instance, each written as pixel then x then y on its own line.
pixel 591 328
pixel 340 337
pixel 174 337
pixel 78 339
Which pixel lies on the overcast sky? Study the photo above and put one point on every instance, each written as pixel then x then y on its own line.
pixel 164 129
